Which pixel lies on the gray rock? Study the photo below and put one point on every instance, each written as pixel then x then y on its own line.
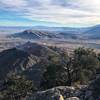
pixel 73 98
pixel 57 93
pixel 88 94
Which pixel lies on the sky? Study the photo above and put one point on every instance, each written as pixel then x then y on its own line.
pixel 77 13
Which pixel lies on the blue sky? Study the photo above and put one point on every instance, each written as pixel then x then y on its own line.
pixel 49 12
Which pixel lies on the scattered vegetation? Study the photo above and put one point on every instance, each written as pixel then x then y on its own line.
pixel 61 68
pixel 80 68
pixel 16 87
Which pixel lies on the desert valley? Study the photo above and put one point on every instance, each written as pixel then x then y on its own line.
pixel 31 58
pixel 49 49
pixel 69 38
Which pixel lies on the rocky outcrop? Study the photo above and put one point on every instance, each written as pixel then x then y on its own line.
pixel 57 93
pixel 91 92
pixel 69 93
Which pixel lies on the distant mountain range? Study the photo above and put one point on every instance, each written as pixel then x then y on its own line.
pixel 40 32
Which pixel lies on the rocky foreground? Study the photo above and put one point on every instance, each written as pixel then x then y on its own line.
pixel 57 93
pixel 82 92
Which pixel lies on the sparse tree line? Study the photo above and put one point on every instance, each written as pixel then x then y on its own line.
pixel 80 67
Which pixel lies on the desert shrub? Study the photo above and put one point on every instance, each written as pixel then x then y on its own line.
pixel 16 87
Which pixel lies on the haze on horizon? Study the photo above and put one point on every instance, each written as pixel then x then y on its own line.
pixel 75 13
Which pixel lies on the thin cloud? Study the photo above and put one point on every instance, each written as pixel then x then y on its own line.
pixel 66 12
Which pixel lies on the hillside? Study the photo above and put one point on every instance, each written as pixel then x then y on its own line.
pixel 36 49
pixel 25 60
pixel 15 61
pixel 55 73
pixel 93 32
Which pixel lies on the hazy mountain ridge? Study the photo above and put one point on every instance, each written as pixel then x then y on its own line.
pixel 93 32
pixel 48 33
pixel 60 33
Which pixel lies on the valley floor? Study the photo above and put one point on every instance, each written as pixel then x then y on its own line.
pixel 69 44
